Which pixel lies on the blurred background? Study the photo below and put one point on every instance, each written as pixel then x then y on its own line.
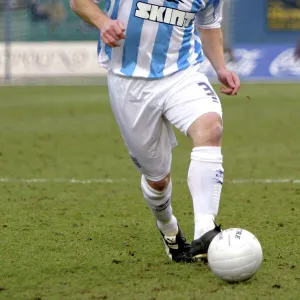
pixel 45 40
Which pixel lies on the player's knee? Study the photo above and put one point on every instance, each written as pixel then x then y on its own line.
pixel 210 136
pixel 207 130
pixel 214 133
pixel 161 184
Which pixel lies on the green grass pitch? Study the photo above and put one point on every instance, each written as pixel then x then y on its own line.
pixel 63 240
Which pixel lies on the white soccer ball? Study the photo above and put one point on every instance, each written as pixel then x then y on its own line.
pixel 235 255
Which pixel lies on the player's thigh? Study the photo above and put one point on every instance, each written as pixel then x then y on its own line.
pixel 154 160
pixel 193 97
pixel 145 132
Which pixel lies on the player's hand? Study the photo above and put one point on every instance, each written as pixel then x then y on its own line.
pixel 112 32
pixel 230 81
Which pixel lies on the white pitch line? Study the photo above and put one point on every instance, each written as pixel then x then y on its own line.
pixel 237 181
pixel 60 180
pixel 110 181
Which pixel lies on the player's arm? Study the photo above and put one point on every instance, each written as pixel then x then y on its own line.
pixel 208 22
pixel 112 31
pixel 212 45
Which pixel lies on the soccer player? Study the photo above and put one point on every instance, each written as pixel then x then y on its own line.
pixel 153 54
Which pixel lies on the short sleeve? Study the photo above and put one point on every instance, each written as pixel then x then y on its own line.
pixel 211 16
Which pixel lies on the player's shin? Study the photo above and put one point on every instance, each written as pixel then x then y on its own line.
pixel 160 204
pixel 205 179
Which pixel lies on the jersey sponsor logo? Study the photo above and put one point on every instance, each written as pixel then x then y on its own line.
pixel 164 14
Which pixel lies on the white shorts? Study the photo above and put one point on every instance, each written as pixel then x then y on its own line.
pixel 146 109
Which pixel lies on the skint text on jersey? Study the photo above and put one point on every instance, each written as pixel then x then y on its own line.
pixel 164 14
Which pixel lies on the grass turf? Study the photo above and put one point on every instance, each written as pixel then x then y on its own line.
pixel 98 240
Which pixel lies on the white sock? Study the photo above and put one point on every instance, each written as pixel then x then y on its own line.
pixel 160 204
pixel 205 179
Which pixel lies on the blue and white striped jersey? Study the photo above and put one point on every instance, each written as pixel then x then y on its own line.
pixel 161 38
